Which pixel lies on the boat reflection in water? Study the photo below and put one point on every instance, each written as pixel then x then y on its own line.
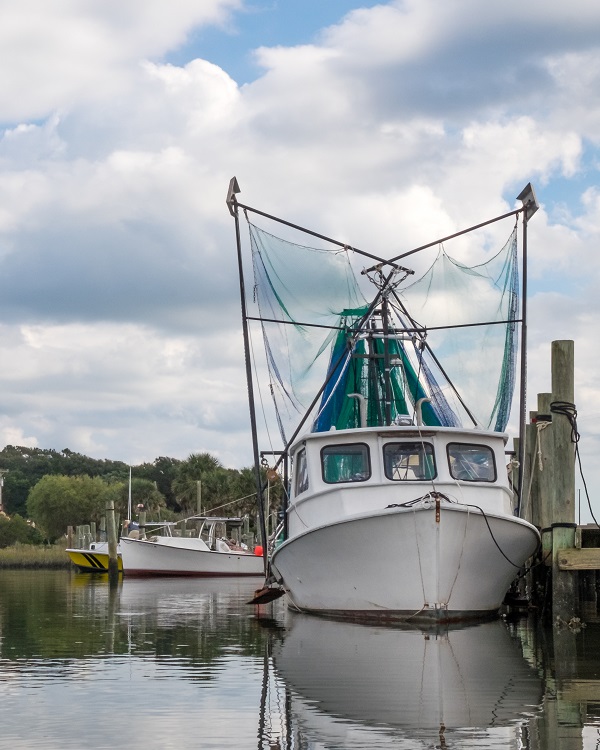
pixel 349 684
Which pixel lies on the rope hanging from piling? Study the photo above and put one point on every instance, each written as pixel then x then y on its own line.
pixel 567 409
pixel 541 425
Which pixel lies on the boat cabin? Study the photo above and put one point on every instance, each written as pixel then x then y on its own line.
pixel 402 462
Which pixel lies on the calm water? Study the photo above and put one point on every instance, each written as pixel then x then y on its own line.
pixel 186 664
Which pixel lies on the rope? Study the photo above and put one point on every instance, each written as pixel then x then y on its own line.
pixel 427 495
pixel 487 523
pixel 540 427
pixel 568 410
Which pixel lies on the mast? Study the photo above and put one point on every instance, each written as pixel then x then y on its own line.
pixel 530 206
pixel 129 504
pixel 233 210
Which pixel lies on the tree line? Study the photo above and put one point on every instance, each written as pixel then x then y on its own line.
pixel 56 489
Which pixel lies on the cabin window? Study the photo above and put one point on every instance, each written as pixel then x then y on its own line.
pixel 409 461
pixel 301 472
pixel 346 463
pixel 471 463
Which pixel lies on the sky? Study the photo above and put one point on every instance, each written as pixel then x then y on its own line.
pixel 383 125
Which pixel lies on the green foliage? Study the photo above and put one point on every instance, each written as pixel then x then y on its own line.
pixel 60 501
pixel 17 529
pixel 162 472
pixel 165 486
pixel 203 468
pixel 26 466
pixel 143 492
pixel 226 491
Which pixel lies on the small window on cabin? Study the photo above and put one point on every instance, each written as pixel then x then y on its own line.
pixel 471 463
pixel 301 472
pixel 404 462
pixel 345 463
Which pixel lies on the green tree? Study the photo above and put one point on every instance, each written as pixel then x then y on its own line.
pixel 162 471
pixel 26 466
pixel 143 492
pixel 199 467
pixel 56 502
pixel 17 529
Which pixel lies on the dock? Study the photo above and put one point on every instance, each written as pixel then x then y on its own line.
pixel 564 571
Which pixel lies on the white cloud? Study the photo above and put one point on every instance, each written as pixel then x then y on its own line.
pixel 69 51
pixel 400 124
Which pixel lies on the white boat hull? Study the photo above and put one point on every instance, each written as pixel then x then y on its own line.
pixel 404 563
pixel 172 556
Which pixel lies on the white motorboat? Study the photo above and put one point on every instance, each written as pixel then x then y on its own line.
pixel 399 504
pixel 209 553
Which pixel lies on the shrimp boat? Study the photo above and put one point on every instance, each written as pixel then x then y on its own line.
pixel 399 504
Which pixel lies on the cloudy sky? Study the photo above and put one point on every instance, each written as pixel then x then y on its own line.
pixel 384 125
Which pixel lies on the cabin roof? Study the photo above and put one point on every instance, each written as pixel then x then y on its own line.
pixel 401 431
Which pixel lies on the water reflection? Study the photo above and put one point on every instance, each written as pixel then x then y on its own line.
pixel 468 686
pixel 46 616
pixel 172 663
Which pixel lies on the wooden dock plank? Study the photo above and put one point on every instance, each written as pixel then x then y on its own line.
pixel 586 558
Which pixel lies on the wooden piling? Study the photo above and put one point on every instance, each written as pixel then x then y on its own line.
pixel 111 528
pixel 564 585
pixel 528 502
pixel 545 472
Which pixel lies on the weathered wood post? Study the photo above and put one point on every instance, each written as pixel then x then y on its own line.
pixel 102 529
pixel 514 469
pixel 111 528
pixel 564 588
pixel 93 531
pixel 87 536
pixel 529 473
pixel 142 522
pixel 529 502
pixel 545 466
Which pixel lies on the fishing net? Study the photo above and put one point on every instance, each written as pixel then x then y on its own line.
pixel 447 349
pixel 471 315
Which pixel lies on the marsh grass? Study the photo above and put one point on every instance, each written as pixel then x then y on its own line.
pixel 21 555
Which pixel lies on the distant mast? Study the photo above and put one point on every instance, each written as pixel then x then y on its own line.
pixel 129 509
